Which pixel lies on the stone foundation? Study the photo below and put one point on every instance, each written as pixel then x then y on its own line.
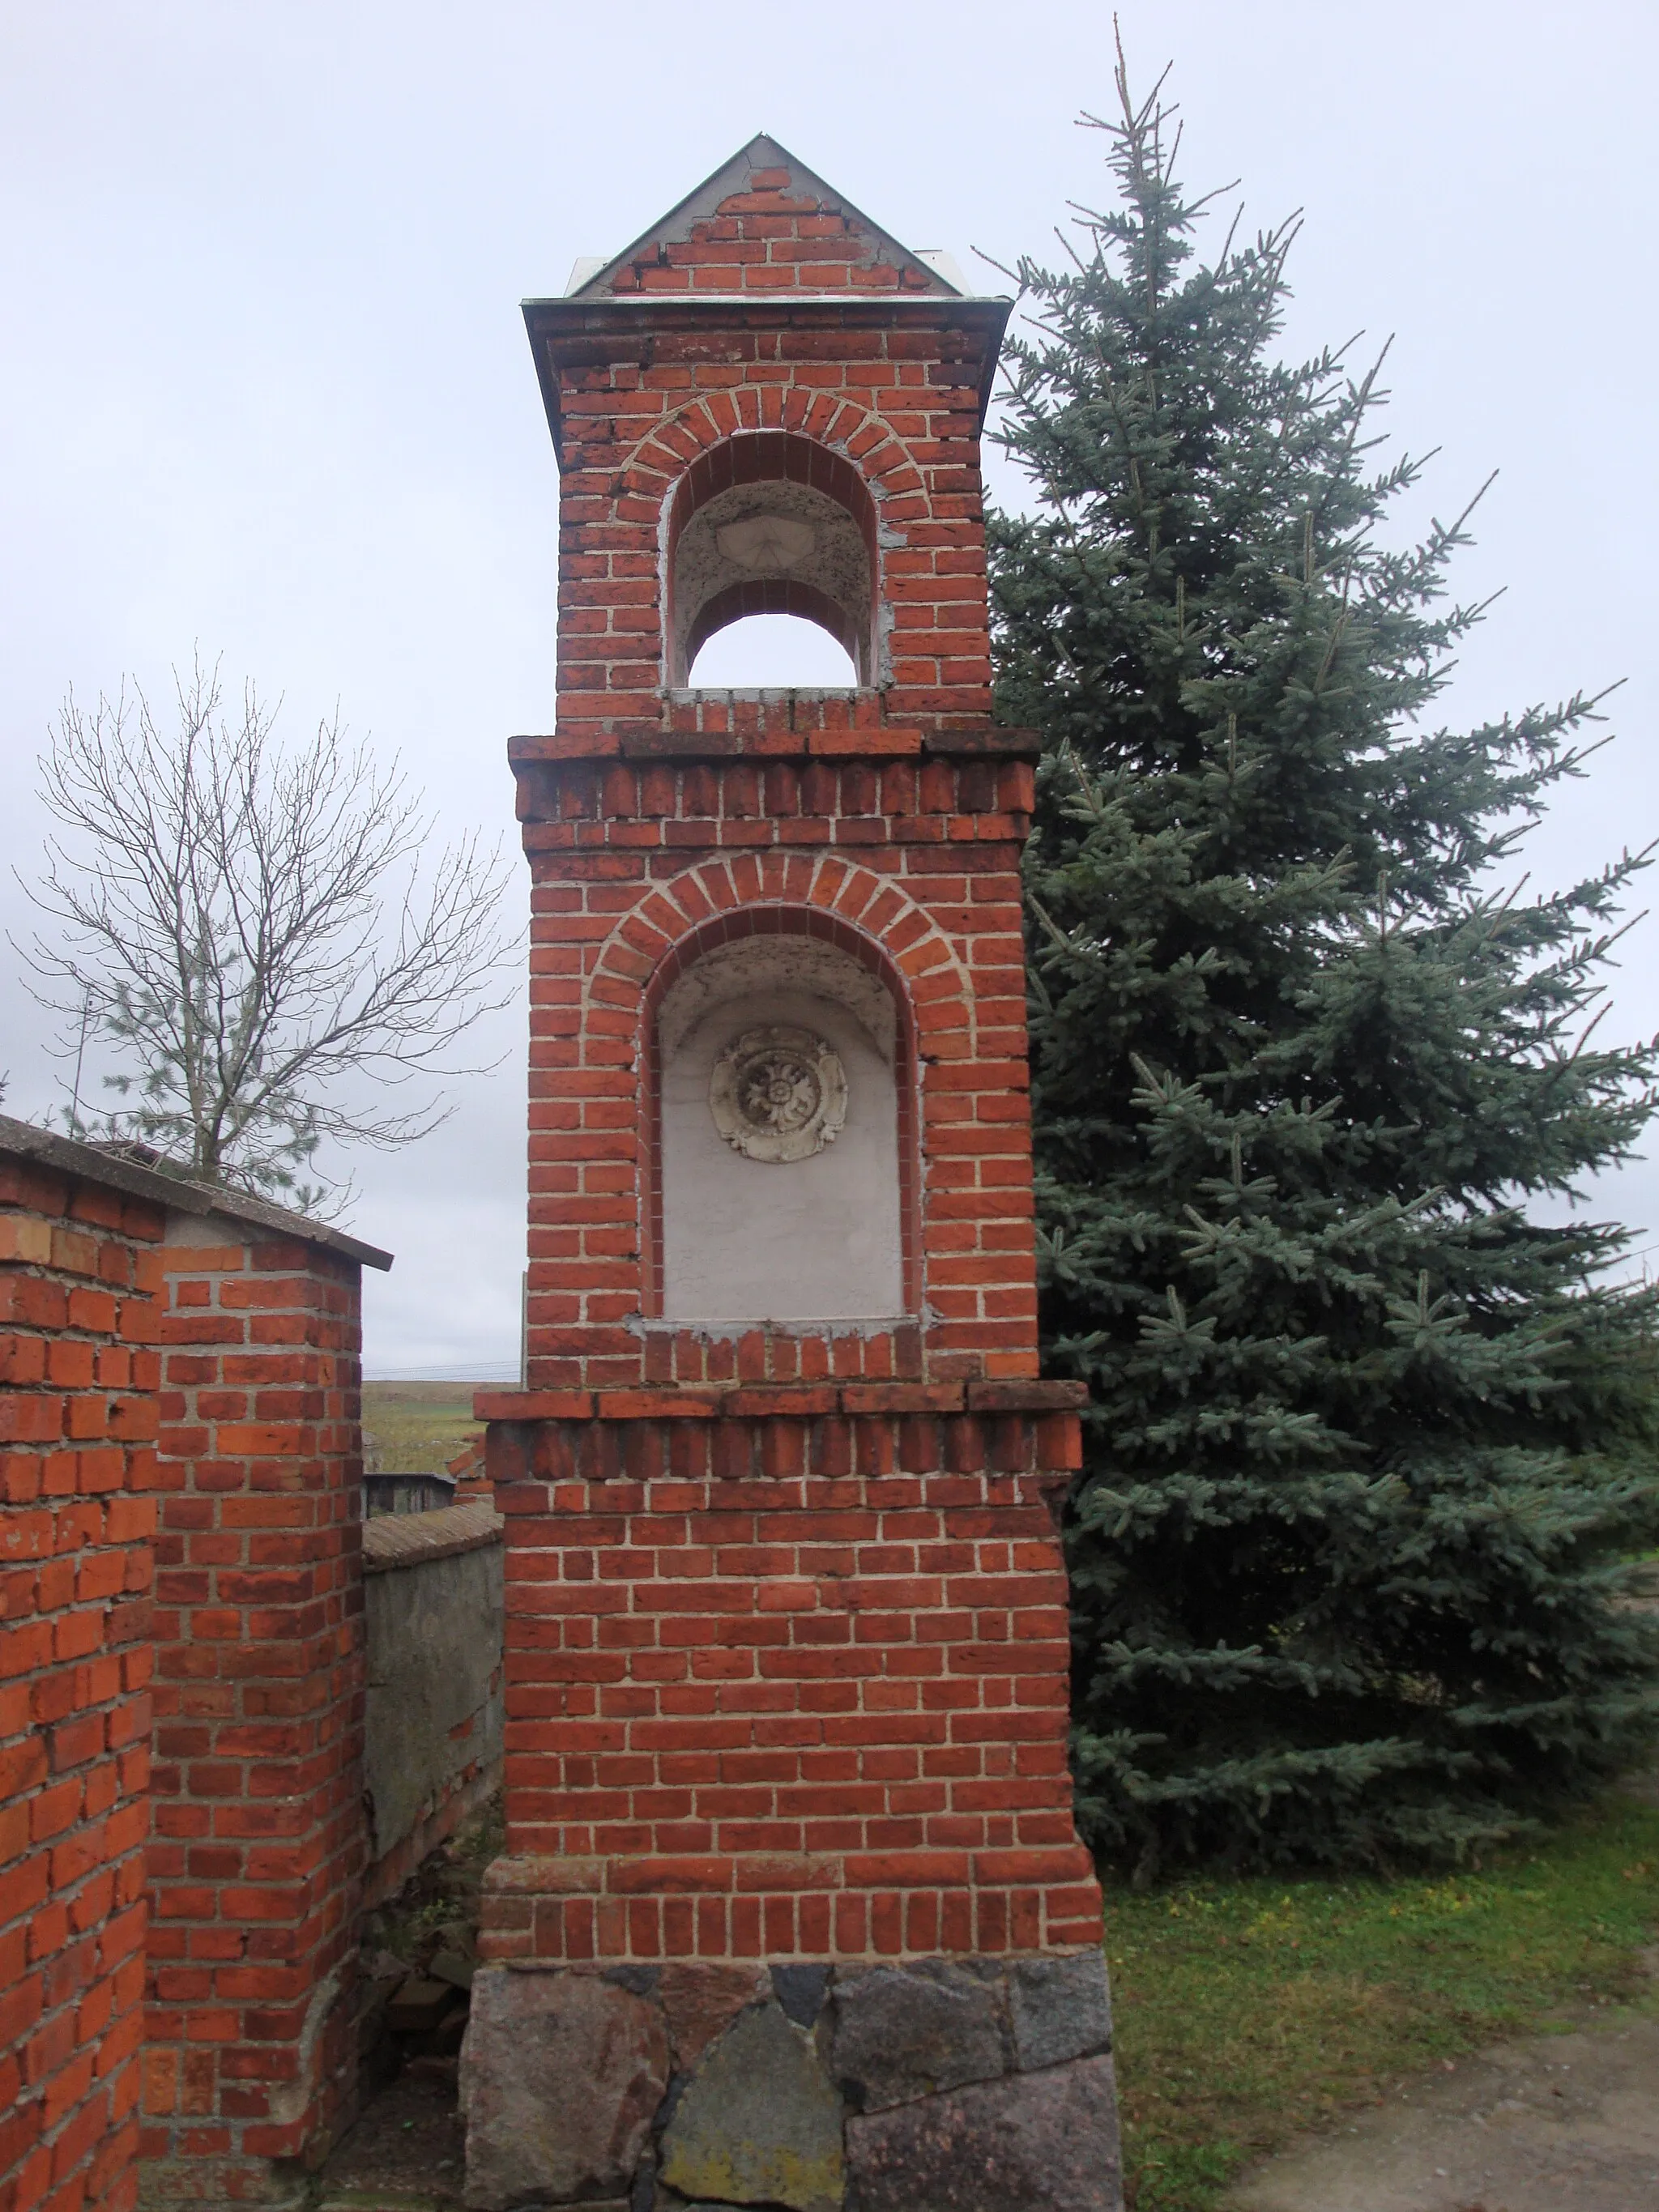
pixel 929 2085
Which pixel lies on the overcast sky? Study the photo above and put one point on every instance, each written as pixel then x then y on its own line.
pixel 265 384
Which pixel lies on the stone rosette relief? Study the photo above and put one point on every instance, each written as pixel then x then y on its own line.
pixel 928 2085
pixel 777 1094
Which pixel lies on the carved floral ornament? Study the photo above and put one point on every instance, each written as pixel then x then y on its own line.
pixel 777 1094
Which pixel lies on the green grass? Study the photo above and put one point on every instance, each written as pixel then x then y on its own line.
pixel 415 1428
pixel 1250 2011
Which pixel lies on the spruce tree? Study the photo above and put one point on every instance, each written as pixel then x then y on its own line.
pixel 1367 1446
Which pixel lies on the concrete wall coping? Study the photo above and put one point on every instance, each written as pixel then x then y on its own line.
pixel 412 1539
pixel 91 1164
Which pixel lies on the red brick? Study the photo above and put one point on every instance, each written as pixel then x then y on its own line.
pixel 787 1638
pixel 75 1704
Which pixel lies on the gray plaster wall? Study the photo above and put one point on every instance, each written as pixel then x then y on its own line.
pixel 810 1239
pixel 436 1615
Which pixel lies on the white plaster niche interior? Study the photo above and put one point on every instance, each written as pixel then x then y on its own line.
pixel 780 1138
pixel 772 547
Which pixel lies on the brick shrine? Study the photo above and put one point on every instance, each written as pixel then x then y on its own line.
pixel 793 1910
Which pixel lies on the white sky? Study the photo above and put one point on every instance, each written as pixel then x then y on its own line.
pixel 264 383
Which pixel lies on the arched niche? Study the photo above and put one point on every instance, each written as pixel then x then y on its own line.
pixel 770 522
pixel 783 1131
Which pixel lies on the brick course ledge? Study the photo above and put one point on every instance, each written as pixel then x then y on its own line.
pixel 753 1400
pixel 777 726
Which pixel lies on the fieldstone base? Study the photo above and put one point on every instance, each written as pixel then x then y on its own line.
pixel 933 2085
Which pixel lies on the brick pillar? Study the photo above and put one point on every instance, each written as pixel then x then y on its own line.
pixel 78 1265
pixel 793 1911
pixel 259 1838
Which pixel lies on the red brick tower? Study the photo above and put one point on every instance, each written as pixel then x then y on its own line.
pixel 793 1887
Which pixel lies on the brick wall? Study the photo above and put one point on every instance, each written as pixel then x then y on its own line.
pixel 783 1570
pixel 786 1675
pixel 900 403
pixel 777 234
pixel 780 309
pixel 765 330
pixel 78 1265
pixel 258 1842
pixel 638 865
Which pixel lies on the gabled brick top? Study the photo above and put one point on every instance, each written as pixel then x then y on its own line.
pixel 764 222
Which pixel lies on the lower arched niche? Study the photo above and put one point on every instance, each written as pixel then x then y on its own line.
pixel 780 1138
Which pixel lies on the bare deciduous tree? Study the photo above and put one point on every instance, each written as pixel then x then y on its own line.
pixel 258 936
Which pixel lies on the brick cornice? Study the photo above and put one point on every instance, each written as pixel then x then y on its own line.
pixel 764 1400
pixel 575 334
pixel 775 726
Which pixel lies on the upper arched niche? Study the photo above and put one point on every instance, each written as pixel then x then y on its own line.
pixel 769 523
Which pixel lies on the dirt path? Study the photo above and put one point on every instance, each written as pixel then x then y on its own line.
pixel 1547 2124
pixel 1556 2124
pixel 405 2153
